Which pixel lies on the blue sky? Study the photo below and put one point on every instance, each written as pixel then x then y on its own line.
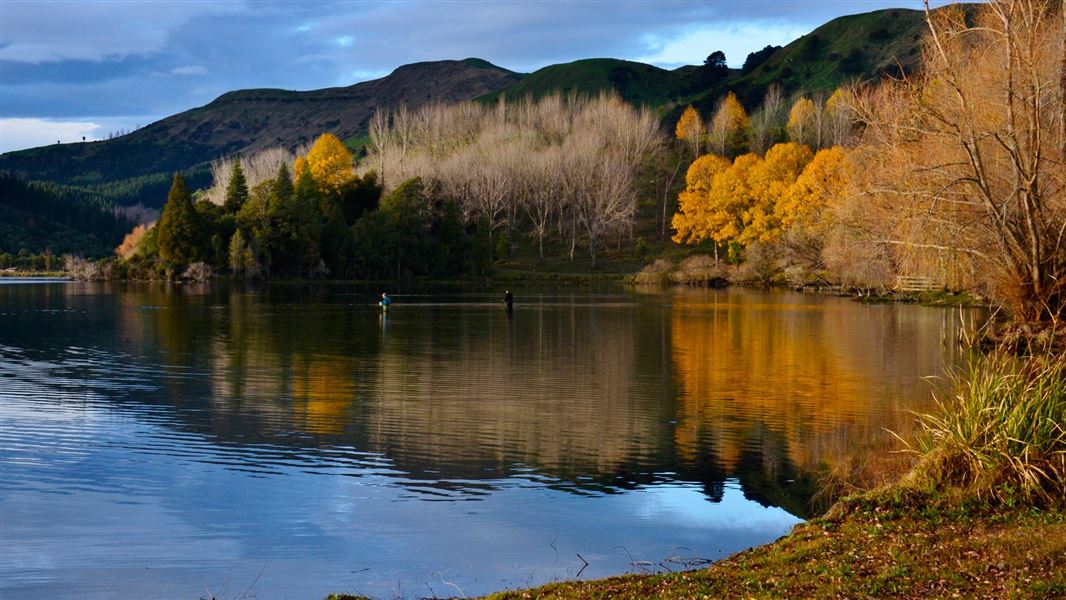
pixel 72 69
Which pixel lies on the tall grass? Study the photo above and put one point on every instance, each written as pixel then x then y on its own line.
pixel 1001 435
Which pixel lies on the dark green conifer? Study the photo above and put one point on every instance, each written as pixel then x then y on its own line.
pixel 179 231
pixel 236 189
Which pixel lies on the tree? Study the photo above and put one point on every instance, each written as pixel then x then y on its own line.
pixel 692 222
pixel 690 129
pixel 236 189
pixel 823 180
pixel 769 180
pixel 714 68
pixel 966 161
pixel 757 58
pixel 804 123
pixel 729 127
pixel 179 237
pixel 767 122
pixel 330 162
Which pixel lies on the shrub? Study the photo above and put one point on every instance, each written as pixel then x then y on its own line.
pixel 657 272
pixel 81 269
pixel 1001 435
pixel 701 269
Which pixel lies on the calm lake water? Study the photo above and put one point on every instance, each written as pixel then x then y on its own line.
pixel 179 442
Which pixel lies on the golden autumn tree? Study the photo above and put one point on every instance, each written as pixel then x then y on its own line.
pixel 330 162
pixel 298 167
pixel 690 129
pixel 769 181
pixel 966 161
pixel 822 181
pixel 804 123
pixel 729 127
pixel 692 222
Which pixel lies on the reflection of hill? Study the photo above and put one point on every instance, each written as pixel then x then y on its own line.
pixel 765 388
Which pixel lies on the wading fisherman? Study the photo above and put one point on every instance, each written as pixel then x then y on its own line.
pixel 385 301
pixel 508 297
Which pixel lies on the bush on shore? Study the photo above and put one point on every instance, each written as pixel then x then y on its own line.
pixel 1002 435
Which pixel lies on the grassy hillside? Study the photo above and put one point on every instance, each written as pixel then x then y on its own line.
pixel 636 82
pixel 859 47
pixel 251 120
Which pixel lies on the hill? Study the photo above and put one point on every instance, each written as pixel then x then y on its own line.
pixel 863 46
pixel 855 47
pixel 36 217
pixel 136 167
pixel 636 82
pixel 250 120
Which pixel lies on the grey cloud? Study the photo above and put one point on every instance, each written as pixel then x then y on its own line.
pixel 93 58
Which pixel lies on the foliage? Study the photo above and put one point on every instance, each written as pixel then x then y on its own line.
pixel 690 222
pixel 133 239
pixel 1002 435
pixel 236 189
pixel 754 199
pixel 690 129
pixel 729 127
pixel 569 165
pixel 757 58
pixel 964 163
pixel 39 216
pixel 330 163
pixel 180 236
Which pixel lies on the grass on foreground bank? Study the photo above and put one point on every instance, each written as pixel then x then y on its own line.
pixel 982 514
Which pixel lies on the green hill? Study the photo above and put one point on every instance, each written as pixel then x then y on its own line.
pixel 636 82
pixel 862 47
pixel 136 167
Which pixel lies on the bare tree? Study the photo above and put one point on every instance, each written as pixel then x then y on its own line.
pixel 967 158
pixel 768 120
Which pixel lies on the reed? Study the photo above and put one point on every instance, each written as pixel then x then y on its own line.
pixel 1001 434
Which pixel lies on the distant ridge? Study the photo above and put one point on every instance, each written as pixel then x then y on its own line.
pixel 255 119
pixel 855 47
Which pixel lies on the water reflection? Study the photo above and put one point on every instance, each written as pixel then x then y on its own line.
pixel 301 426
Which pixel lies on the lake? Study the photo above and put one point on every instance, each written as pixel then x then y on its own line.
pixel 290 441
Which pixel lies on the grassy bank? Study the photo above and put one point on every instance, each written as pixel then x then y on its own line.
pixel 891 544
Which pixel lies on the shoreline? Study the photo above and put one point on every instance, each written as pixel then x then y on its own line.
pixel 895 542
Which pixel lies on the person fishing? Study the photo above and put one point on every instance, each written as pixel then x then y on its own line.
pixel 508 297
pixel 385 301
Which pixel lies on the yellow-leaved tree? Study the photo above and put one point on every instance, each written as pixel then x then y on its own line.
pixel 729 127
pixel 804 123
pixel 330 162
pixel 691 222
pixel 298 168
pixel 822 181
pixel 690 129
pixel 770 180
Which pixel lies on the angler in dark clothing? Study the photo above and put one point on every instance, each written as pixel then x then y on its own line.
pixel 508 297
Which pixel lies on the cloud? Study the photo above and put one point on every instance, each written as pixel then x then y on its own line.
pixel 16 134
pixel 80 61
pixel 36 32
pixel 736 40
pixel 189 70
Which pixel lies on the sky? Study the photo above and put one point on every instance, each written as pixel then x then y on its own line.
pixel 89 68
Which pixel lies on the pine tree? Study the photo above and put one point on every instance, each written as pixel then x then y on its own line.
pixel 236 189
pixel 179 228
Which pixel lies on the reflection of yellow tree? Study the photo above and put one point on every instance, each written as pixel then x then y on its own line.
pixel 321 393
pixel 826 378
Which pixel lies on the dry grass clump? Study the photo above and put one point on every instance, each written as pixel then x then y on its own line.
pixel 1002 435
pixel 657 273
pixel 700 269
